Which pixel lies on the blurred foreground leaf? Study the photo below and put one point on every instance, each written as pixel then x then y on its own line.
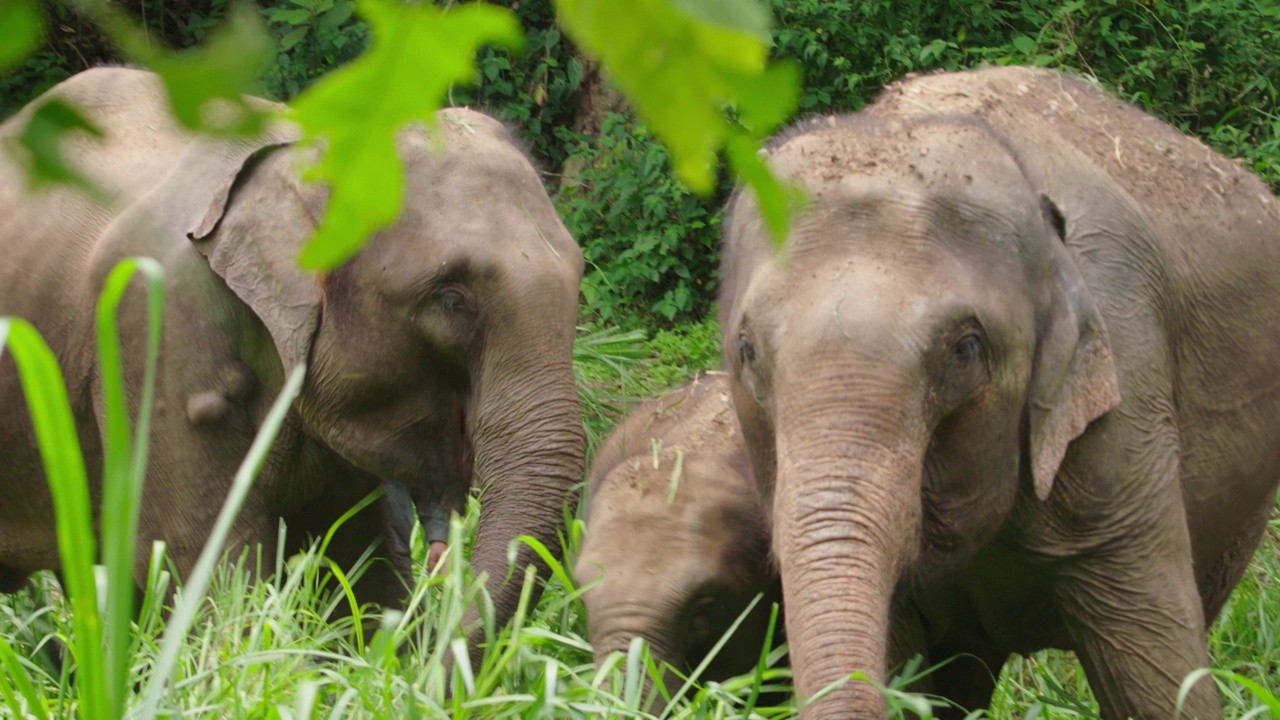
pixel 55 429
pixel 38 147
pixel 681 62
pixel 226 68
pixel 20 30
pixel 417 52
pixel 206 85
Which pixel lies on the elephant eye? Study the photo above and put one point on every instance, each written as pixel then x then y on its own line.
pixel 702 615
pixel 745 351
pixel 454 301
pixel 967 350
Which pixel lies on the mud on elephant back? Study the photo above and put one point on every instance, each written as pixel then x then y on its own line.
pixel 442 348
pixel 1010 385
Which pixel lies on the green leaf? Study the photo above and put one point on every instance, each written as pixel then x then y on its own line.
pixel 38 147
pixel 777 201
pixel 293 37
pixel 746 15
pixel 417 52
pixel 341 12
pixel 1024 44
pixel 681 67
pixel 55 430
pixel 20 681
pixel 293 16
pixel 124 467
pixel 21 30
pixel 225 69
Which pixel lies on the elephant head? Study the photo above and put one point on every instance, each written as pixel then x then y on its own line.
pixel 920 352
pixel 676 547
pixel 444 346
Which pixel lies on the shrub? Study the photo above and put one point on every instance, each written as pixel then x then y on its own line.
pixel 649 243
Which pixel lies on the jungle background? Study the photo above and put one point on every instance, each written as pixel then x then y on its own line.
pixel 651 246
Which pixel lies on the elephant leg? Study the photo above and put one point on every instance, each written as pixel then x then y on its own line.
pixel 1222 575
pixel 1135 619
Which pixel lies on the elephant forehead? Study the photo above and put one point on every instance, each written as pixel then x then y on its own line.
pixel 631 548
pixel 876 295
pixel 951 168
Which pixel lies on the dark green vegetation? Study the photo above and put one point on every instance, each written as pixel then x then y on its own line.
pixel 1210 68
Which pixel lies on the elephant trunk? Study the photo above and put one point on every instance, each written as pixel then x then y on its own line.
pixel 617 637
pixel 846 520
pixel 529 454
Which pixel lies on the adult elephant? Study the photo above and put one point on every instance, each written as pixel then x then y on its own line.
pixel 445 343
pixel 1012 383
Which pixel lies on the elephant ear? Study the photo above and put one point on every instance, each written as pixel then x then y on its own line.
pixel 251 229
pixel 1074 381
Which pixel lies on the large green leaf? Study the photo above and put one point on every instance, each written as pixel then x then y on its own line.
pixel 55 429
pixel 225 69
pixel 228 67
pixel 21 28
pixel 417 52
pixel 681 63
pixel 38 147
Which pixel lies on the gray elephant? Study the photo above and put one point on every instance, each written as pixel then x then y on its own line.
pixel 677 561
pixel 1011 383
pixel 443 347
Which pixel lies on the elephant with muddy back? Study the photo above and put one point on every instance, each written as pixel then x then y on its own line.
pixel 1011 384
pixel 443 346
pixel 676 547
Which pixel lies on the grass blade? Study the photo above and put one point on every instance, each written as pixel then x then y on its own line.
pixel 55 429
pixel 124 469
pixel 22 683
pixel 193 590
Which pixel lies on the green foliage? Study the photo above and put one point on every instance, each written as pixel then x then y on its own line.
pixel 605 363
pixel 649 243
pixel 418 52
pixel 226 67
pixel 21 28
pixel 680 68
pixel 680 352
pixel 37 147
pixel 312 37
pixel 535 87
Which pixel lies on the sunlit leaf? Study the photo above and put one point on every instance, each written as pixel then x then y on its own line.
pixel 777 200
pixel 681 62
pixel 124 462
pixel 417 52
pixel 225 69
pixel 38 147
pixel 21 28
pixel 745 15
pixel 55 430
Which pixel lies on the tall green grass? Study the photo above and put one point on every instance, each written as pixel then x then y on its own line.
pixel 289 646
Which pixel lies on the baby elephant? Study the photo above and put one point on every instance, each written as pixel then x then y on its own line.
pixel 676 536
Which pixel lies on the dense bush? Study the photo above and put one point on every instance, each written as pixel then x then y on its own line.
pixel 649 244
pixel 1210 68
